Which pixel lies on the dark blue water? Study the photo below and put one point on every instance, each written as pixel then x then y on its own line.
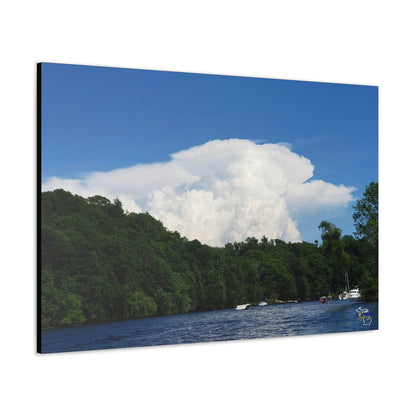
pixel 300 318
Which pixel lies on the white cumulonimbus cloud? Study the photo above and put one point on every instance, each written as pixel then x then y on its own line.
pixel 221 191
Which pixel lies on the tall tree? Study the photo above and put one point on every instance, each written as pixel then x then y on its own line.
pixel 366 229
pixel 366 215
pixel 333 250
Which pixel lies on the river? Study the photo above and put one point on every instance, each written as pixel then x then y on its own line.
pixel 301 318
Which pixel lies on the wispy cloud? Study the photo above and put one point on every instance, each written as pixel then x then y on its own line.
pixel 219 192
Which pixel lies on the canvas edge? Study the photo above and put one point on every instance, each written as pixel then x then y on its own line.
pixel 38 197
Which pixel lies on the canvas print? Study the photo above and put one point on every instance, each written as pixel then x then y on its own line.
pixel 182 208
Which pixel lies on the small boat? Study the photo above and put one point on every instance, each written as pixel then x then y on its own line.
pixel 262 303
pixel 349 293
pixel 354 293
pixel 325 299
pixel 240 307
pixel 344 295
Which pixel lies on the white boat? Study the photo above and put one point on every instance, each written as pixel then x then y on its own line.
pixel 240 307
pixel 349 293
pixel 262 303
pixel 354 293
pixel 343 295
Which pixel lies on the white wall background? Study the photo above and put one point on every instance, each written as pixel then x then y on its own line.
pixel 360 42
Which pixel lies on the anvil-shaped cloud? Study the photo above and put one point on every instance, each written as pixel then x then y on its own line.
pixel 221 191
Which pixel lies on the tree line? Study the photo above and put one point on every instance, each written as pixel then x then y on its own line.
pixel 99 263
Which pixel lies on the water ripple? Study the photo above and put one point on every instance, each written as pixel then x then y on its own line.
pixel 300 318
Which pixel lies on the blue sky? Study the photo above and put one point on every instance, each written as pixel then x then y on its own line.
pixel 101 119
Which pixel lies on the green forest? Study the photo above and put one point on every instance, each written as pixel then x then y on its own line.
pixel 99 263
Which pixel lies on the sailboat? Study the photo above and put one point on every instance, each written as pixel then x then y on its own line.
pixel 349 293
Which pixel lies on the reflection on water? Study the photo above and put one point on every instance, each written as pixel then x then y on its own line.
pixel 301 318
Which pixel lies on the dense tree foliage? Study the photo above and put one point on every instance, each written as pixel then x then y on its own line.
pixel 101 264
pixel 366 230
pixel 366 215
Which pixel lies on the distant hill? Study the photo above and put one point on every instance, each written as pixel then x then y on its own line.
pixel 101 264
